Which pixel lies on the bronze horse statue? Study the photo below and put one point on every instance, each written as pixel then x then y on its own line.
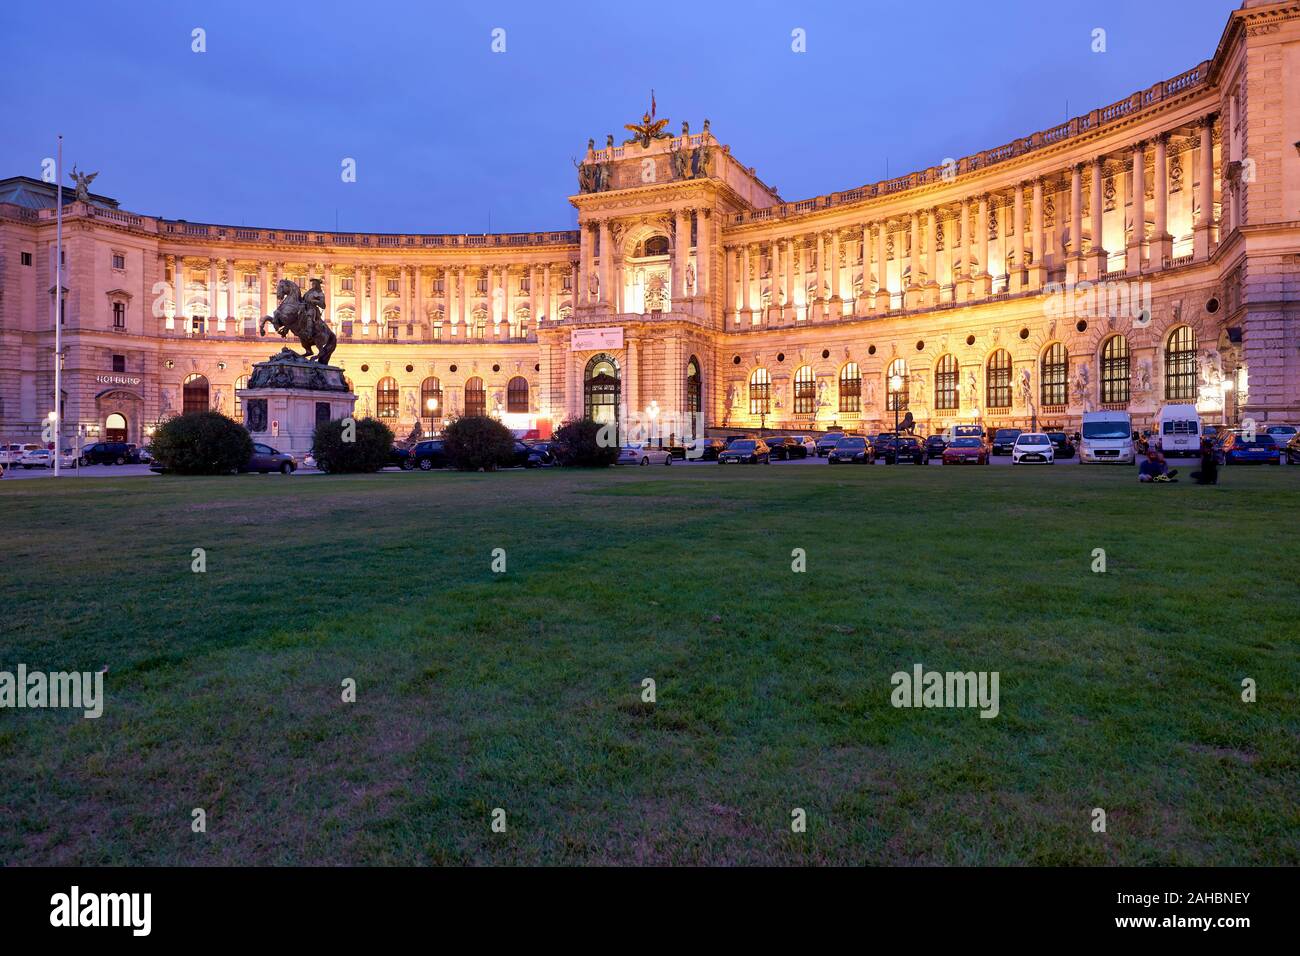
pixel 301 315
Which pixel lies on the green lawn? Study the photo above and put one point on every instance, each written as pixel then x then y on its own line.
pixel 522 690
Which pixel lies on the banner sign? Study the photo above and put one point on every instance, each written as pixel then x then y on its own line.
pixel 587 340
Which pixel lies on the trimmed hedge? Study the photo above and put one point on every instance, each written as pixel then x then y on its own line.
pixel 368 450
pixel 576 443
pixel 476 442
pixel 201 443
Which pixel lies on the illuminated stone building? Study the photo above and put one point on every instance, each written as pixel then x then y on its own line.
pixel 1145 253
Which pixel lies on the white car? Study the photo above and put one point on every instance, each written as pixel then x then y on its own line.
pixel 644 455
pixel 37 458
pixel 1281 435
pixel 1032 448
pixel 12 454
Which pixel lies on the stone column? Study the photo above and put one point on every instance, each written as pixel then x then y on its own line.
pixel 681 240
pixel 359 294
pixel 606 266
pixel 746 313
pixel 729 272
pixel 460 301
pixel 837 275
pixel 971 265
pixel 1015 281
pixel 1204 190
pixel 404 294
pixel 983 282
pixel 703 254
pixel 866 266
pixel 546 312
pixel 774 279
pixel 882 266
pixel 263 289
pixel 232 282
pixel 1161 242
pixel 1036 270
pixel 327 283
pixel 787 261
pixel 1139 208
pixel 960 243
pixel 507 315
pixel 822 279
pixel 212 293
pixel 417 301
pixel 1097 254
pixel 932 257
pixel 632 396
pixel 178 293
pixel 1075 261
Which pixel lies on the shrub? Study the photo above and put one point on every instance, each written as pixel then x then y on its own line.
pixel 371 443
pixel 474 442
pixel 201 443
pixel 576 443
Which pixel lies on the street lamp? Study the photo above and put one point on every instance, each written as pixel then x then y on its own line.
pixel 432 406
pixel 895 386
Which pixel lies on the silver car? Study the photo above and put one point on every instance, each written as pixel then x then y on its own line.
pixel 644 455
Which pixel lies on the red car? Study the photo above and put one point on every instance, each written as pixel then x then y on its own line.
pixel 966 451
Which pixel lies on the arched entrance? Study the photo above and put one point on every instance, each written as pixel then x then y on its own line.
pixel 194 394
pixel 601 389
pixel 694 395
pixel 115 427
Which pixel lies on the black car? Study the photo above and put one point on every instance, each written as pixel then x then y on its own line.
pixel 1292 451
pixel 1004 439
pixel 785 447
pixel 109 453
pixel 539 455
pixel 400 456
pixel 707 449
pixel 851 450
pixel 827 443
pixel 427 455
pixel 1062 447
pixel 903 448
pixel 745 451
pixel 934 446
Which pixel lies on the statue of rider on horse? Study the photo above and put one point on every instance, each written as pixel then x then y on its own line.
pixel 302 315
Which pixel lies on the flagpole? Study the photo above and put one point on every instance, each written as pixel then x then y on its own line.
pixel 57 414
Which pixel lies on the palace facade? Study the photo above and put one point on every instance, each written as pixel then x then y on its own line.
pixel 1145 253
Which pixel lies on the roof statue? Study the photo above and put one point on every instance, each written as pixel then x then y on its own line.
pixel 649 128
pixel 83 181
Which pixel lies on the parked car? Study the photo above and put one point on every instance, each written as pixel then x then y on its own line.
pixel 1004 439
pixel 400 456
pixel 934 446
pixel 786 447
pixel 644 455
pixel 68 458
pixel 730 438
pixel 12 454
pixel 429 454
pixel 145 455
pixel 1237 449
pixel 1107 437
pixel 1281 434
pixel 1062 447
pixel 110 453
pixel 903 448
pixel 1178 431
pixel 1032 448
pixel 827 442
pixel 539 455
pixel 809 444
pixel 709 448
pixel 1212 432
pixel 1293 451
pixel 851 450
pixel 265 459
pixel 37 458
pixel 966 451
pixel 747 451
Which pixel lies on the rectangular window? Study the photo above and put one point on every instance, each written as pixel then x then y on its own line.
pixel 196 325
pixel 525 284
pixel 481 285
pixel 439 286
pixel 392 331
pixel 437 331
pixel 26 258
pixel 566 282
pixel 345 285
pixel 119 315
pixel 119 261
pixel 394 285
pixel 119 363
pixel 410 330
pixel 250 280
pixel 347 328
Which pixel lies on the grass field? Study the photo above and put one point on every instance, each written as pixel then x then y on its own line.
pixel 522 690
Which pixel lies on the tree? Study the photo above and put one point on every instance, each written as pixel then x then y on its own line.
pixel 201 443
pixel 578 443
pixel 476 442
pixel 352 445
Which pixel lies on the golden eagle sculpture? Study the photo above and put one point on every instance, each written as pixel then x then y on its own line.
pixel 649 128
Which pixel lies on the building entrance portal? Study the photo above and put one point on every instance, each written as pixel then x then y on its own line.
pixel 600 389
pixel 115 428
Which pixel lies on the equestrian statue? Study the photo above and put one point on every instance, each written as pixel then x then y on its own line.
pixel 301 315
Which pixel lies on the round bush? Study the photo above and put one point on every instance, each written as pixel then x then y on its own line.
pixel 584 443
pixel 202 443
pixel 350 445
pixel 474 442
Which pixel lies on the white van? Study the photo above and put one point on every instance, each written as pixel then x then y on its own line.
pixel 1107 437
pixel 1180 430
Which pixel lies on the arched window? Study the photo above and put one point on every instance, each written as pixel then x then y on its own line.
pixel 851 388
pixel 998 380
pixel 805 391
pixel 114 425
pixel 760 387
pixel 430 399
pixel 601 389
pixel 195 394
pixel 480 321
pixel 1115 371
pixel 1054 376
pixel 475 397
pixel 694 392
pixel 1180 365
pixel 655 246
pixel 517 394
pixel 241 382
pixel 896 398
pixel 946 384
pixel 386 398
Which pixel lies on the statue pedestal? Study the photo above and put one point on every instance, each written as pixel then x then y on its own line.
pixel 288 397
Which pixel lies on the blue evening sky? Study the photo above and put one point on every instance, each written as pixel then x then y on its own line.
pixel 447 134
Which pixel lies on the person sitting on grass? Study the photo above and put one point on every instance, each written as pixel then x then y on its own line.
pixel 1209 473
pixel 1155 469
